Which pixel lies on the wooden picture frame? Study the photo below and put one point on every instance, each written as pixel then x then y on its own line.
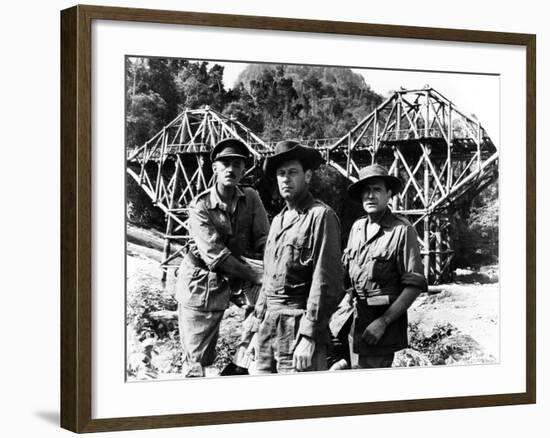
pixel 76 217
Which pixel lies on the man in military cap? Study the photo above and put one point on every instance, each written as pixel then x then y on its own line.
pixel 302 284
pixel 226 223
pixel 382 264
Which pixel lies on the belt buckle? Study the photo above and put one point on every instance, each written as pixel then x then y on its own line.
pixel 378 300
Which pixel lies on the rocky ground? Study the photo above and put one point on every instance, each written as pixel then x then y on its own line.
pixel 457 323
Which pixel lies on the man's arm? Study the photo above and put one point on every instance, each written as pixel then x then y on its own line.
pixel 261 302
pixel 260 228
pixel 212 248
pixel 326 288
pixel 235 268
pixel 260 223
pixel 377 328
pixel 411 273
pixel 345 257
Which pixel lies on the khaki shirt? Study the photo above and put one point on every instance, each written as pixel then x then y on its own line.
pixel 378 270
pixel 218 230
pixel 302 268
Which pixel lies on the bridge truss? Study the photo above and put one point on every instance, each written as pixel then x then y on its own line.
pixel 439 153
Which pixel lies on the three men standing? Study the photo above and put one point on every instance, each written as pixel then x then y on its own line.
pixel 226 222
pixel 302 280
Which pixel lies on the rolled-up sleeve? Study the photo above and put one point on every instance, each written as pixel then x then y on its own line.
pixel 208 240
pixel 410 260
pixel 326 286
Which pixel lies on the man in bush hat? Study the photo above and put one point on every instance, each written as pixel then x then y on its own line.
pixel 226 222
pixel 302 281
pixel 382 264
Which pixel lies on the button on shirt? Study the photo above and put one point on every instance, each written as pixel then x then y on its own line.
pixel 381 267
pixel 301 266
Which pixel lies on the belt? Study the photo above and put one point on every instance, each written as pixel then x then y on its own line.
pixel 277 302
pixel 377 297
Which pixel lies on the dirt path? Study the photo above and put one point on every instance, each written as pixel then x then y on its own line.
pixel 471 308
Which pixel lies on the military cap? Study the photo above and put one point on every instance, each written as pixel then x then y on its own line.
pixel 230 148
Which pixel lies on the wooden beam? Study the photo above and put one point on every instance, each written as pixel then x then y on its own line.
pixel 411 176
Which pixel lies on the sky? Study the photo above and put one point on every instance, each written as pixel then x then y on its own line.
pixel 471 93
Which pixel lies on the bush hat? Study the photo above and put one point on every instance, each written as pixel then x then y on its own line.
pixel 292 150
pixel 230 148
pixel 370 172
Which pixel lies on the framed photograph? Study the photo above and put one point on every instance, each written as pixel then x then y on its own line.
pixel 177 133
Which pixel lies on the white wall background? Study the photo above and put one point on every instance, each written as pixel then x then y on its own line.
pixel 29 180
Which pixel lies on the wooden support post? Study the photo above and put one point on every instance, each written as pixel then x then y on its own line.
pixel 200 177
pixel 398 121
pixel 450 253
pixel 426 122
pixel 449 152
pixel 427 247
pixel 438 249
pixel 427 223
pixel 375 134
pixel 170 220
pixel 348 162
pixel 478 146
pixel 395 172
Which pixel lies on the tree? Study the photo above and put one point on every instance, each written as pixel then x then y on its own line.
pixel 306 102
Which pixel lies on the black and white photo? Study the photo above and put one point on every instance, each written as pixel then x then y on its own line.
pixel 293 217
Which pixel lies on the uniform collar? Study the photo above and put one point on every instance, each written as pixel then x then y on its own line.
pixel 387 219
pixel 303 203
pixel 216 202
pixel 384 222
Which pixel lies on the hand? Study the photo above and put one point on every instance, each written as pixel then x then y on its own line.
pixel 303 354
pixel 252 349
pixel 258 277
pixel 374 331
pixel 255 268
pixel 253 275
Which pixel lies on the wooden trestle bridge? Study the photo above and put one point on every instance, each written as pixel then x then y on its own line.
pixel 439 153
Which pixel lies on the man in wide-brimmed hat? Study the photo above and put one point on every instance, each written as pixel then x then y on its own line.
pixel 384 270
pixel 226 222
pixel 302 284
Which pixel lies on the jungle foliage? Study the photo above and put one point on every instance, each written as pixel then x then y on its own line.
pixel 280 102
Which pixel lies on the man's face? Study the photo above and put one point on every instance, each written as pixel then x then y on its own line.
pixel 229 171
pixel 375 196
pixel 292 179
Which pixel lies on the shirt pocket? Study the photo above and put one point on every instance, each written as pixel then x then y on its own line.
pixel 221 222
pixel 300 250
pixel 349 255
pixel 356 269
pixel 381 267
pixel 298 257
